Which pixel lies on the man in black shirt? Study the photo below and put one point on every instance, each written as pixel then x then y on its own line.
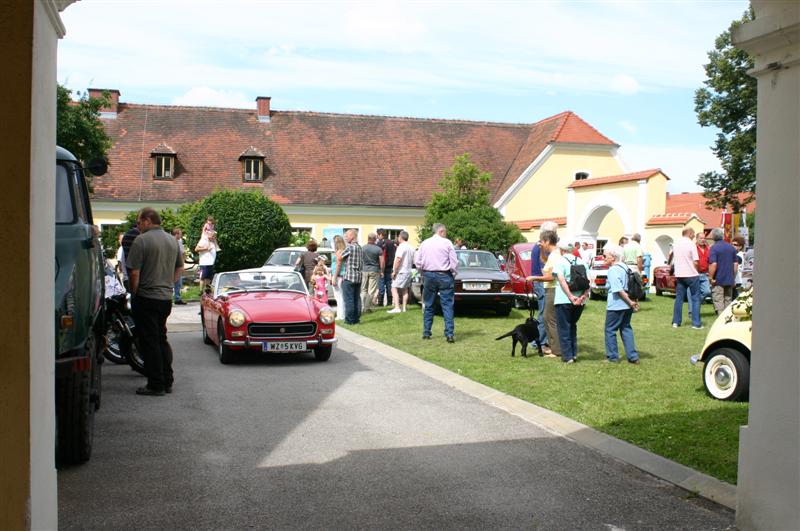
pixel 385 281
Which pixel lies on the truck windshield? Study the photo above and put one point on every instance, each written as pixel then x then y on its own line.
pixel 64 211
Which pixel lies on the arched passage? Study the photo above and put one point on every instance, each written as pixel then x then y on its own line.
pixel 605 217
pixel 661 250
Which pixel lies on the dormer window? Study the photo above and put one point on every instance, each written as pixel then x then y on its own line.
pixel 581 175
pixel 164 159
pixel 253 169
pixel 252 165
pixel 163 167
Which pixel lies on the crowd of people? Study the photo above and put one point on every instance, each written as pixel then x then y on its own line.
pixel 364 277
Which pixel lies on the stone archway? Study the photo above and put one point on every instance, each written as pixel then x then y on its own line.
pixel 593 215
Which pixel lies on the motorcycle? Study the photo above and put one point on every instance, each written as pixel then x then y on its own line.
pixel 121 344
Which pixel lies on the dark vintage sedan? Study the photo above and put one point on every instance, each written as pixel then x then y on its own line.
pixel 265 311
pixel 480 283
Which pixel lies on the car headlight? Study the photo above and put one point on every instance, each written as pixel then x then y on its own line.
pixel 326 315
pixel 236 318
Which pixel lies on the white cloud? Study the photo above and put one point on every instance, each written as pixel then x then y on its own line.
pixel 624 84
pixel 629 127
pixel 396 46
pixel 682 164
pixel 208 97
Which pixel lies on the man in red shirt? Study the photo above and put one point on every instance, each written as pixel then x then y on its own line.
pixel 702 252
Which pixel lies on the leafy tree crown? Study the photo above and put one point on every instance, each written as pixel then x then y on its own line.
pixel 464 208
pixel 728 102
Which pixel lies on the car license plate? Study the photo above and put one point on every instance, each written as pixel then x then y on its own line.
pixel 476 286
pixel 283 346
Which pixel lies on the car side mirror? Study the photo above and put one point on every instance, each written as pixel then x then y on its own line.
pixel 98 166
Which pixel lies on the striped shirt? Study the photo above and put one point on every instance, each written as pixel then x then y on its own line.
pixel 352 263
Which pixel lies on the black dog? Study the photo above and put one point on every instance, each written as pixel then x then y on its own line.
pixel 525 333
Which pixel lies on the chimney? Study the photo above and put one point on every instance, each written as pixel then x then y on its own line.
pixel 109 111
pixel 262 102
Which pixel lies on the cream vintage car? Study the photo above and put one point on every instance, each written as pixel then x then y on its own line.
pixel 726 351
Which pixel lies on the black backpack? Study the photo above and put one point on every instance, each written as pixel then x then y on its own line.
pixel 635 288
pixel 578 279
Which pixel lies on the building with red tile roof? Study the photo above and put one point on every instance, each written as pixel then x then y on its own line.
pixel 336 171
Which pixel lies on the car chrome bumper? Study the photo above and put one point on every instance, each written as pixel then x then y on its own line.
pixel 695 359
pixel 258 342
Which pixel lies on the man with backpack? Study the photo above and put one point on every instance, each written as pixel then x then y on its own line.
pixel 572 290
pixel 624 290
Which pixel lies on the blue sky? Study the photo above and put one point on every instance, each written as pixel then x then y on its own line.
pixel 630 68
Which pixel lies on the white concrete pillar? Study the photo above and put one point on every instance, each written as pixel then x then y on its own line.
pixel 768 495
pixel 641 211
pixel 571 228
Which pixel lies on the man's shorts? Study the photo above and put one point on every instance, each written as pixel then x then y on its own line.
pixel 206 272
pixel 402 280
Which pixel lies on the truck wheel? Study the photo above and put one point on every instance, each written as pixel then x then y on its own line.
pixel 726 374
pixel 74 418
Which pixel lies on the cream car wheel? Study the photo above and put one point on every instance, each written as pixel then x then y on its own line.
pixel 726 374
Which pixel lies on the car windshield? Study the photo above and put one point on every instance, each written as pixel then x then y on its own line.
pixel 256 280
pixel 288 257
pixel 477 259
pixel 284 258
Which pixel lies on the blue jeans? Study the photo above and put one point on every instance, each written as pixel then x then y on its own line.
pixel 352 301
pixel 385 286
pixel 568 316
pixel 538 290
pixel 705 287
pixel 443 284
pixel 620 320
pixel 177 289
pixel 687 288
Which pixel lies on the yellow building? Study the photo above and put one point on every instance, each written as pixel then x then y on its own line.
pixel 331 172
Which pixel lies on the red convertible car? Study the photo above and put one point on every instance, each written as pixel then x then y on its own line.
pixel 265 311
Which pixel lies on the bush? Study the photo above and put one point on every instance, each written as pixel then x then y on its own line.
pixel 249 227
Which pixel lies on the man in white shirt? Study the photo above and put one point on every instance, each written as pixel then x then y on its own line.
pixel 401 273
pixel 687 278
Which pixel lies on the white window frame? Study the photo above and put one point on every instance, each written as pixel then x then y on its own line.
pixel 252 177
pixel 577 172
pixel 169 173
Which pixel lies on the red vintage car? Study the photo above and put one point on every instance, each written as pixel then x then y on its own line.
pixel 265 311
pixel 663 279
pixel 518 267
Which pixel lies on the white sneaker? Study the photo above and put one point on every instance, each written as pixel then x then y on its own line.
pixel 394 310
pixel 404 309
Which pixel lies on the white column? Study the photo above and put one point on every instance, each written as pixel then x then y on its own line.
pixel 641 210
pixel 768 495
pixel 571 228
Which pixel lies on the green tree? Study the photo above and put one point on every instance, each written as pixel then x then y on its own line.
pixel 463 206
pixel 78 125
pixel 728 102
pixel 249 227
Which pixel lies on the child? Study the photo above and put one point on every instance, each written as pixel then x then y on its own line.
pixel 209 232
pixel 319 281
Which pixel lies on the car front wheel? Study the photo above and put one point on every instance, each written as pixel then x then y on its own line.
pixel 726 374
pixel 225 353
pixel 323 352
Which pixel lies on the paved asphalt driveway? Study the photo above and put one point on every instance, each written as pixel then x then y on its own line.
pixel 358 442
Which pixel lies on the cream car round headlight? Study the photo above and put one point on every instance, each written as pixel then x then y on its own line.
pixel 326 315
pixel 236 318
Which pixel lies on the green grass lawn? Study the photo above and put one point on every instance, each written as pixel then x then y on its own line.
pixel 659 405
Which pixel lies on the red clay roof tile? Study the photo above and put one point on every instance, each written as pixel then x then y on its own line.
pixel 610 179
